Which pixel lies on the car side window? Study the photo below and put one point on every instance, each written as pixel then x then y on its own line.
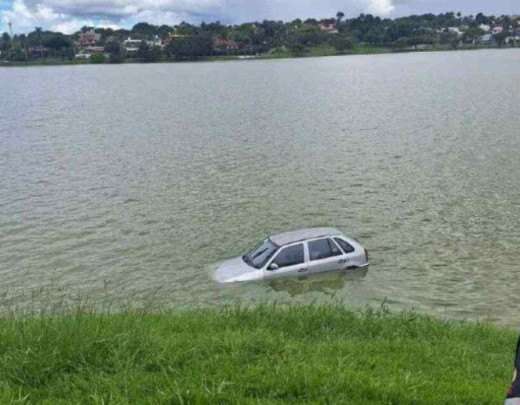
pixel 323 248
pixel 290 256
pixel 347 247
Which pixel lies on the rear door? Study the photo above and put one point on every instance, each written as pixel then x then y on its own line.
pixel 324 255
pixel 289 261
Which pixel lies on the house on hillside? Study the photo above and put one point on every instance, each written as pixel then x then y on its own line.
pixel 156 41
pixel 38 51
pixel 487 39
pixel 455 30
pixel 171 38
pixel 131 45
pixel 513 40
pixel 89 38
pixel 87 52
pixel 82 55
pixel 94 49
pixel 423 47
pixel 328 26
pixel 224 44
pixel 497 30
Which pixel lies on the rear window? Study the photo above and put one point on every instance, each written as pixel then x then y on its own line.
pixel 290 256
pixel 347 247
pixel 323 248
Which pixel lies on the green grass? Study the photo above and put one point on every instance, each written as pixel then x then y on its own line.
pixel 265 355
pixel 369 50
pixel 44 62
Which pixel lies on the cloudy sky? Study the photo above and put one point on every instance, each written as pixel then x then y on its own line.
pixel 70 15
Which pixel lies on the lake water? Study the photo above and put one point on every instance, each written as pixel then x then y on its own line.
pixel 126 184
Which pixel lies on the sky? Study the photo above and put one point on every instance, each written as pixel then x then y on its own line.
pixel 70 15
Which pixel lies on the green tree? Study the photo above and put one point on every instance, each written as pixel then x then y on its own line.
pixel 144 30
pixel 472 34
pixel 402 43
pixel 297 49
pixel 58 44
pixel 17 54
pixel 97 58
pixel 5 44
pixel 482 19
pixel 143 52
pixel 339 16
pixel 185 28
pixel 448 38
pixel 164 31
pixel 115 51
pixel 147 53
pixel 308 36
pixel 501 38
pixel 342 43
pixel 38 33
pixel 192 47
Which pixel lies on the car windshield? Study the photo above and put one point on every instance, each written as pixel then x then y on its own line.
pixel 259 256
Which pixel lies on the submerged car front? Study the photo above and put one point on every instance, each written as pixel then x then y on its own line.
pixel 248 267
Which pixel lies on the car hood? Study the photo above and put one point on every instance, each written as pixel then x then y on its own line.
pixel 235 270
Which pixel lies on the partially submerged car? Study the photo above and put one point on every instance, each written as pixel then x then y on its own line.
pixel 293 254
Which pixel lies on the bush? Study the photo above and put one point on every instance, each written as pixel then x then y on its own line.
pixel 341 43
pixel 97 58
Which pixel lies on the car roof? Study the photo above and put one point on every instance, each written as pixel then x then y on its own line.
pixel 302 234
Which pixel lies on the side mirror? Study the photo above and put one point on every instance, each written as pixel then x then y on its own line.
pixel 273 266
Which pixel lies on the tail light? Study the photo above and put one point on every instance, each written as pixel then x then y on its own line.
pixel 366 254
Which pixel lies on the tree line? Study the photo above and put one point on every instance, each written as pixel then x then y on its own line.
pixel 188 41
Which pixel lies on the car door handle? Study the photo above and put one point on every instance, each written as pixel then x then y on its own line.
pixel 302 270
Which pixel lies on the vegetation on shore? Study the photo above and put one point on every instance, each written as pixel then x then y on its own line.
pixel 275 54
pixel 268 354
pixel 267 39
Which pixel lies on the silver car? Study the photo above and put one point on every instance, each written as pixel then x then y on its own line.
pixel 296 253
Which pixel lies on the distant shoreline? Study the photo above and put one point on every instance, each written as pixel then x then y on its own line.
pixel 317 52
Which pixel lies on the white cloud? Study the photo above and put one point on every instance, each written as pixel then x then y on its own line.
pixel 73 25
pixel 380 7
pixel 126 8
pixel 26 18
pixel 70 26
pixel 70 15
pixel 158 17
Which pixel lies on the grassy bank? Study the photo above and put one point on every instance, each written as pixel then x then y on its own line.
pixel 279 53
pixel 263 355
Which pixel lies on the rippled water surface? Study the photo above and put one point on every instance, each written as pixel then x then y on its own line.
pixel 126 184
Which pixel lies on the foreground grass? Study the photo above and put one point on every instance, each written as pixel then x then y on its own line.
pixel 262 355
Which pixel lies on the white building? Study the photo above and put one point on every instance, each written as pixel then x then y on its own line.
pixel 513 40
pixel 132 45
pixel 455 30
pixel 486 39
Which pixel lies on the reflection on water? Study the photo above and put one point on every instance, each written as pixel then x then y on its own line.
pixel 327 283
pixel 122 184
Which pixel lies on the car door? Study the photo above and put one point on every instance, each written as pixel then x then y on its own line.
pixel 348 252
pixel 324 255
pixel 289 261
